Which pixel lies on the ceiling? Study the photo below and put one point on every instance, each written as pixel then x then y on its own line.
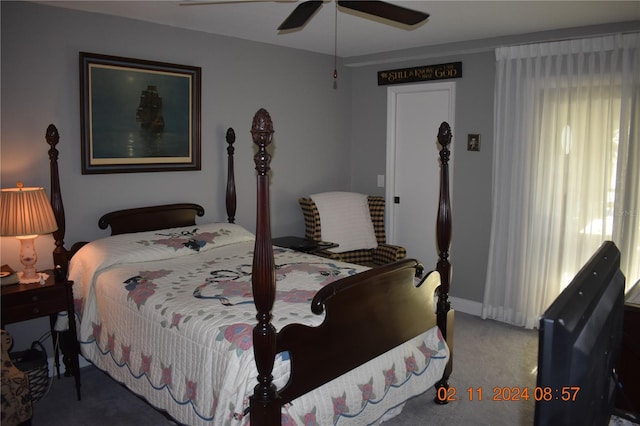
pixel 357 34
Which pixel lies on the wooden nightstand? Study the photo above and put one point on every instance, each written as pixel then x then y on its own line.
pixel 21 302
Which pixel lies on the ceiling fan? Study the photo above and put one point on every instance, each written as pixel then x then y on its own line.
pixel 305 10
pixel 382 9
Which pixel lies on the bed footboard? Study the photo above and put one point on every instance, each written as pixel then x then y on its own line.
pixel 367 315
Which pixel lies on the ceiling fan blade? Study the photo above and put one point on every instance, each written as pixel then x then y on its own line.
pixel 386 10
pixel 300 15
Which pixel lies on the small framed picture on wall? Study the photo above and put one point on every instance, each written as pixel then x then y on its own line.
pixel 473 142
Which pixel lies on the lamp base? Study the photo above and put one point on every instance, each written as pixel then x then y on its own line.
pixel 24 280
pixel 28 258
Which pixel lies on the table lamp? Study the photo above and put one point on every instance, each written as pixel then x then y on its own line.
pixel 26 213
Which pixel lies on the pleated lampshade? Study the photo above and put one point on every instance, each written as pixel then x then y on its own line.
pixel 25 211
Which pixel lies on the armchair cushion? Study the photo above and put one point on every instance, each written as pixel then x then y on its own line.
pixel 346 220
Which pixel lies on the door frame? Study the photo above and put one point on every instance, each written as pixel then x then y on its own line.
pixel 392 101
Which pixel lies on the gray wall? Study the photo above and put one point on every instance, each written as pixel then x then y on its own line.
pixel 40 85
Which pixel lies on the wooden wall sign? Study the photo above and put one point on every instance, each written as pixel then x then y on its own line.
pixel 423 73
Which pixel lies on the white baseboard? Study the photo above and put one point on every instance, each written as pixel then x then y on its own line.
pixel 470 307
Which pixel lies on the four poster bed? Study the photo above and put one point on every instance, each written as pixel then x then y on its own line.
pixel 168 308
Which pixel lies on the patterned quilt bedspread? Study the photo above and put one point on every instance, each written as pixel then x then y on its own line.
pixel 170 314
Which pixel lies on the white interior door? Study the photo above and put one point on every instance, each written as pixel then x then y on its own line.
pixel 414 115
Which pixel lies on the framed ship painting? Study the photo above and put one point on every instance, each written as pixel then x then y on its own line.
pixel 138 115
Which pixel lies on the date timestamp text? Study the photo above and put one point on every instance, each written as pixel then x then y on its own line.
pixel 510 393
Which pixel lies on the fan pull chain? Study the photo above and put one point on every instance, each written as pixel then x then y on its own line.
pixel 335 43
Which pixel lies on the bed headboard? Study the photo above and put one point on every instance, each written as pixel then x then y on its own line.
pixel 135 219
pixel 151 218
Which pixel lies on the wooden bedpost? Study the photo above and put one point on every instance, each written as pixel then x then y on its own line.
pixel 60 255
pixel 443 236
pixel 264 404
pixel 231 183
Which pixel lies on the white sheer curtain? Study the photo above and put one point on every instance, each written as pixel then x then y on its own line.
pixel 566 168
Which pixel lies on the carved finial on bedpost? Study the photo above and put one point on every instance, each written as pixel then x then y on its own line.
pixel 231 180
pixel 60 256
pixel 265 409
pixel 262 133
pixel 443 237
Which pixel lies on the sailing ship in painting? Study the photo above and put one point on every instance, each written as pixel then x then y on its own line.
pixel 149 113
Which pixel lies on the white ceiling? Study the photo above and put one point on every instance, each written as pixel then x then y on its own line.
pixel 450 21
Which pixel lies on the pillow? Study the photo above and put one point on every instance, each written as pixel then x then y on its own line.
pixel 345 220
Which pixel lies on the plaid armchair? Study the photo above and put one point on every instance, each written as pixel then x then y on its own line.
pixel 383 254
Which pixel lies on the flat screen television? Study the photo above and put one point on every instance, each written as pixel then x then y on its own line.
pixel 580 337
